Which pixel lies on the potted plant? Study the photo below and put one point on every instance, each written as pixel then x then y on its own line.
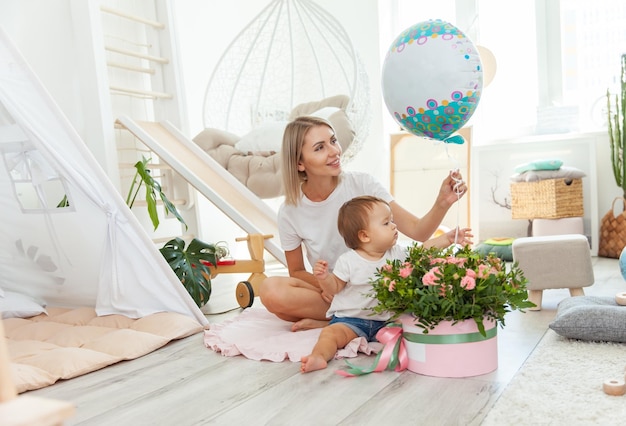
pixel 612 228
pixel 453 296
pixel 190 264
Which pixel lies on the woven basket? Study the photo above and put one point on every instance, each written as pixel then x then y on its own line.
pixel 613 232
pixel 547 199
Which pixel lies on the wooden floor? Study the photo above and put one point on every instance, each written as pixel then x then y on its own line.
pixel 185 383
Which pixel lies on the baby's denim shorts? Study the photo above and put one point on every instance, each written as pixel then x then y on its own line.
pixel 362 327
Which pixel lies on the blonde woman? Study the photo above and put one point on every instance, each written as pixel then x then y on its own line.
pixel 315 188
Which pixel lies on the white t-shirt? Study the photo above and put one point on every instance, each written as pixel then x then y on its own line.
pixel 353 300
pixel 314 224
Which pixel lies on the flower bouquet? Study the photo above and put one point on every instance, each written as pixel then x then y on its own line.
pixel 452 284
pixel 450 293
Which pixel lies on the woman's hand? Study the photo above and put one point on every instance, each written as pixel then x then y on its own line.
pixel 452 188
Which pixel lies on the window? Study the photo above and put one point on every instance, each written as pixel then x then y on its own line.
pixel 37 186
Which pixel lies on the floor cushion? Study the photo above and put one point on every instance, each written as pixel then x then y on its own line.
pixel 591 318
pixel 501 247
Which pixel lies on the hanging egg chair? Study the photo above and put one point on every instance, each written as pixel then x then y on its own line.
pixel 291 53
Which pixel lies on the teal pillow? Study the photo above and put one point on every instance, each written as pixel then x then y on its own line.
pixel 548 164
pixel 501 247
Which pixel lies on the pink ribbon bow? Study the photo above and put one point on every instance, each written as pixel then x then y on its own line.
pixel 393 356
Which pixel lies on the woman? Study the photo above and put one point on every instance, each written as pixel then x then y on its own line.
pixel 315 188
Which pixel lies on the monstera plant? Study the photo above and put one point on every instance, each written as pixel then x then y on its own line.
pixel 190 264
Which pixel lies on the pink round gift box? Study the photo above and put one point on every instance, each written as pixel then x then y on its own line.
pixel 452 359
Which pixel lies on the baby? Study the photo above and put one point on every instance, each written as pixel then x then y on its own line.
pixel 366 225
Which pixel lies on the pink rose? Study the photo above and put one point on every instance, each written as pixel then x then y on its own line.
pixel 392 285
pixel 406 271
pixel 468 283
pixel 430 277
pixel 386 267
pixel 483 271
pixel 470 273
pixel 460 261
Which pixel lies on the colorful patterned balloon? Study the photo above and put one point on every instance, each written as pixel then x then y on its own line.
pixel 432 79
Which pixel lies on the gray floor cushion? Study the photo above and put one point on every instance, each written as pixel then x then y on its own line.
pixel 591 318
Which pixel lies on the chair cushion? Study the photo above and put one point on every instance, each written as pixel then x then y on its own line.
pixel 501 247
pixel 591 318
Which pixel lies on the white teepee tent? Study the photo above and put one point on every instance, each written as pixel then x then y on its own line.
pixel 92 252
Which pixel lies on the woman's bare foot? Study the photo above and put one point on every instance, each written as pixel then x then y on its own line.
pixel 312 363
pixel 308 324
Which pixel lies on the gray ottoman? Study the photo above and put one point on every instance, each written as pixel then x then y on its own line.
pixel 556 261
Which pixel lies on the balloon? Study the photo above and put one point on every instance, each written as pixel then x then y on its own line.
pixel 432 79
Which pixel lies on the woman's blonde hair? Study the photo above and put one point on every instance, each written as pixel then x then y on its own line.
pixel 293 140
pixel 354 217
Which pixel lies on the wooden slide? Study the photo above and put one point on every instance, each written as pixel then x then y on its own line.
pixel 205 174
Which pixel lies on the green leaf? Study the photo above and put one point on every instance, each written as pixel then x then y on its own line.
pixel 64 202
pixel 152 188
pixel 189 267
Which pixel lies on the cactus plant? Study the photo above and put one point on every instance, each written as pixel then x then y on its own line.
pixel 616 110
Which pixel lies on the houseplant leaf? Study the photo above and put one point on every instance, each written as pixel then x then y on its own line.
pixel 189 266
pixel 152 188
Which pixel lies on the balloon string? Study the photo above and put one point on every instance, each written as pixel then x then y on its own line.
pixel 457 190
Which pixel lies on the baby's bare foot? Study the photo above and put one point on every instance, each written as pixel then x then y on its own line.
pixel 312 363
pixel 308 324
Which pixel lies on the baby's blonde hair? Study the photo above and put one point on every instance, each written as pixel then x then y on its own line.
pixel 293 140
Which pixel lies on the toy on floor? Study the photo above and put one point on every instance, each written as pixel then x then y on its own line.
pixel 614 387
pixel 246 290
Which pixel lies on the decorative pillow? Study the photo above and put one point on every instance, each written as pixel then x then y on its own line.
pixel 548 164
pixel 591 318
pixel 265 137
pixel 339 119
pixel 564 172
pixel 325 112
pixel 501 247
pixel 17 305
pixel 211 138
